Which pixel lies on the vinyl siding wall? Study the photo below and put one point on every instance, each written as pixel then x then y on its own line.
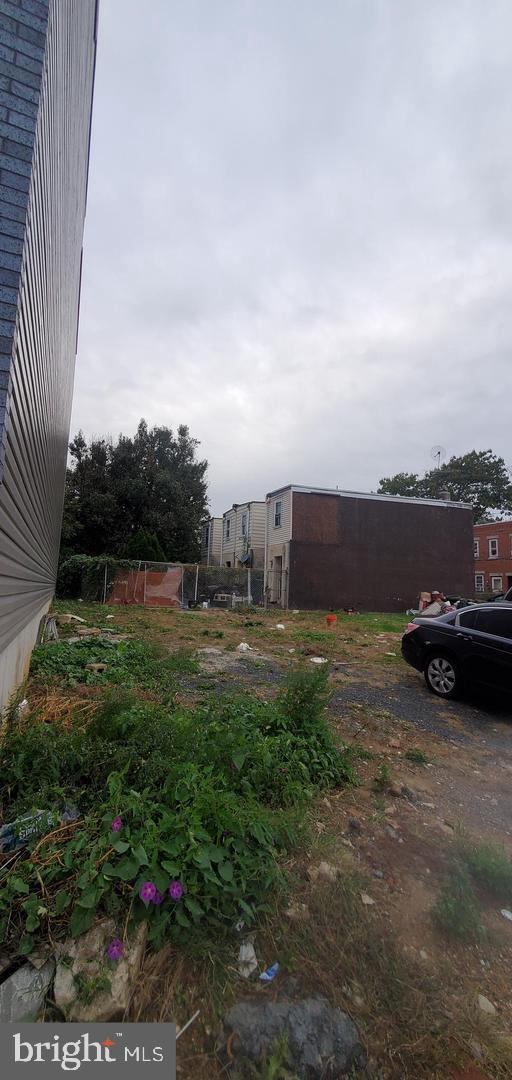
pixel 238 544
pixel 45 135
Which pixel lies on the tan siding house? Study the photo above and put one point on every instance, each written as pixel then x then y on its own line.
pixel 243 535
pixel 279 531
pixel 211 541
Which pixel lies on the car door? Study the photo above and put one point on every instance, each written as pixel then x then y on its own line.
pixel 489 643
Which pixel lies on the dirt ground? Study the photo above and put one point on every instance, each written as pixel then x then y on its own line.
pixel 400 835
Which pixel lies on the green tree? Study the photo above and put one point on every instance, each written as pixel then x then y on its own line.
pixel 479 477
pixel 151 483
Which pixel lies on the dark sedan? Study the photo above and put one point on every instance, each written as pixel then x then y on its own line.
pixel 470 646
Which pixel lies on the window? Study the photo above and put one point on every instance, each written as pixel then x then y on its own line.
pixel 495 622
pixel 244 524
pixel 228 528
pixel 476 549
pixel 228 562
pixel 493 548
pixel 496 584
pixel 479 583
pixel 468 618
pixel 278 513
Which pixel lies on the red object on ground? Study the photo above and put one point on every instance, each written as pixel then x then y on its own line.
pixel 331 620
pixel 155 588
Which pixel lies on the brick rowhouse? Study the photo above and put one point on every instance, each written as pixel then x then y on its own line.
pixel 492 543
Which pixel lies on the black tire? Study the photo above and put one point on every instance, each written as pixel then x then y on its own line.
pixel 442 676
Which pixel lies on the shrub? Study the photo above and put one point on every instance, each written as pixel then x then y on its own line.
pixel 208 798
pixel 457 911
pixel 489 866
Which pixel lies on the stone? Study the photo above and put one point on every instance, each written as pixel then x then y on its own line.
pixel 327 872
pixel 22 994
pixel 395 790
pixel 85 959
pixel 88 631
pixel 408 793
pixel 96 667
pixel 355 825
pixel 297 912
pixel 423 955
pixel 367 900
pixel 485 1005
pixel 321 1041
pixel 247 959
pixel 395 744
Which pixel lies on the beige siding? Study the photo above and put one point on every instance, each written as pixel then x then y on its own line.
pixel 282 534
pixel 215 541
pixel 239 543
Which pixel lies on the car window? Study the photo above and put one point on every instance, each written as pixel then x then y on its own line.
pixel 468 618
pixel 494 622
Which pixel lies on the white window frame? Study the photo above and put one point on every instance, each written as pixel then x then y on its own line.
pixel 493 554
pixel 479 587
pixel 244 523
pixel 497 577
pixel 278 513
pixel 476 548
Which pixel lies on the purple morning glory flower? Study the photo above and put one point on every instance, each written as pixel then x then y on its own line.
pixel 158 898
pixel 176 890
pixel 115 949
pixel 117 824
pixel 147 891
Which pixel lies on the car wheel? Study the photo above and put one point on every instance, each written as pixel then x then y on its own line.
pixel 442 676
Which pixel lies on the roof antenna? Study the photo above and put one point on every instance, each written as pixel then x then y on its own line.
pixel 438 453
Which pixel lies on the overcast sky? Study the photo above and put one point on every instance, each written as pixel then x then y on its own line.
pixel 298 237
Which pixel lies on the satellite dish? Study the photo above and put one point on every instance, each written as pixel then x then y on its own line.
pixel 438 454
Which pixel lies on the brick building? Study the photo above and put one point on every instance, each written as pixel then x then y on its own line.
pixel 335 549
pixel 492 550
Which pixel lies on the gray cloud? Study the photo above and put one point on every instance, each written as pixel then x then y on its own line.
pixel 299 234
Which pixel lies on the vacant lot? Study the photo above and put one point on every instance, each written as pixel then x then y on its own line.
pixel 424 836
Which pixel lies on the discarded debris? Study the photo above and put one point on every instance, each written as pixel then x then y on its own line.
pixel 62 619
pixel 16 834
pixel 506 914
pixel 270 973
pixel 50 632
pixel 247 959
pixel 279 626
pixel 318 660
pixel 367 900
pixel 297 912
pixel 88 631
pixel 187 1025
pixel 244 647
pixel 96 667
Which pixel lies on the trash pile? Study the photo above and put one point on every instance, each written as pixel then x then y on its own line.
pixel 433 604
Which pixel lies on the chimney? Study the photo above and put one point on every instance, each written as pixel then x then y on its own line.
pixel 445 495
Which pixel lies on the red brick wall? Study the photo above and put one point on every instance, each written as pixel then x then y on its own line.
pixel 494 567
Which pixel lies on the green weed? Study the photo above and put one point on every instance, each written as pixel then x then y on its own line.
pixel 417 757
pixel 456 910
pixel 489 867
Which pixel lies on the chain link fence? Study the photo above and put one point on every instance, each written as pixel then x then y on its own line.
pixel 153 584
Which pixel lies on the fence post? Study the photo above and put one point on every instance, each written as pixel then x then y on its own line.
pixel 249 586
pixel 145 578
pixel 197 580
pixel 105 585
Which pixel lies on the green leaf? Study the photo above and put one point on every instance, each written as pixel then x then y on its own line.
pixel 19 885
pixel 127 869
pixel 32 923
pixel 81 920
pixel 201 859
pixel 120 846
pixel 89 897
pixel 62 900
pixel 226 871
pixel 26 945
pixel 181 918
pixel 239 758
pixel 139 853
pixel 172 868
pixel 192 906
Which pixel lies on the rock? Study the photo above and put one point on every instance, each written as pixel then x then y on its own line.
pixel 96 667
pixel 367 900
pixel 321 1041
pixel 423 955
pixel 297 912
pixel 88 631
pixel 395 790
pixel 485 1005
pixel 327 872
pixel 408 793
pixel 83 960
pixel 22 994
pixel 395 744
pixel 355 825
